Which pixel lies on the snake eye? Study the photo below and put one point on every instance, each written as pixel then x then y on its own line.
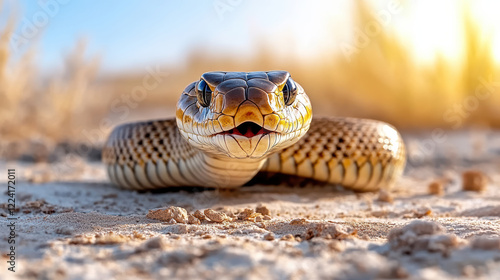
pixel 289 92
pixel 204 93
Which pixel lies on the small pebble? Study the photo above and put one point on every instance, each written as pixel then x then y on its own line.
pixel 269 236
pixel 199 215
pixel 246 214
pixel 263 210
pixel 436 187
pixel 298 222
pixel 216 216
pixel 178 214
pixel 158 242
pixel 473 180
pixel 288 237
pixel 192 220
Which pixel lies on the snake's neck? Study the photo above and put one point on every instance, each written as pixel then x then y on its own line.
pixel 229 172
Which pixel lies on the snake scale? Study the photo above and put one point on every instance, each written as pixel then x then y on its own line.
pixel 231 125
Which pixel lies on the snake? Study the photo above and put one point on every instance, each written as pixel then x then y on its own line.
pixel 231 126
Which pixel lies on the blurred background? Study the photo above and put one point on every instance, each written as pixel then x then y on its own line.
pixel 71 70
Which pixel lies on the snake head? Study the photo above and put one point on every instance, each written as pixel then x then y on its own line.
pixel 243 115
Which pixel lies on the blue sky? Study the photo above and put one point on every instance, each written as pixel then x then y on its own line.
pixel 124 34
pixel 129 34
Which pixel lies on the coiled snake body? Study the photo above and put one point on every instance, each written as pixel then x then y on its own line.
pixel 231 125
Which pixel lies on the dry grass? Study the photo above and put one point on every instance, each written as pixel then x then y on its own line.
pixel 381 81
pixel 43 111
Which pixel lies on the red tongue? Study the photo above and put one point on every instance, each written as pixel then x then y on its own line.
pixel 248 133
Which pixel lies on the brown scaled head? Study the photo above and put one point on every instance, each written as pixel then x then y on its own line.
pixel 243 115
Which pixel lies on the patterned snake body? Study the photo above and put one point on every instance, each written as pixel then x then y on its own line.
pixel 231 125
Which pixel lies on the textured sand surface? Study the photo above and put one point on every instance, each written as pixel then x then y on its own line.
pixel 74 225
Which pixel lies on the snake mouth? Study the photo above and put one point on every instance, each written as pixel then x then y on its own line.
pixel 247 129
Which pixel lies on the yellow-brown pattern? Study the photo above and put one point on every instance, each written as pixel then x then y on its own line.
pixel 203 146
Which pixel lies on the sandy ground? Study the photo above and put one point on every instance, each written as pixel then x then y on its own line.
pixel 71 224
